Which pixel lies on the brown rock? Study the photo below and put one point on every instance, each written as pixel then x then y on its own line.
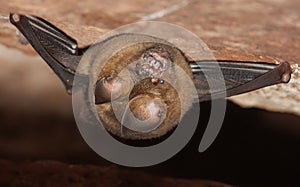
pixel 53 173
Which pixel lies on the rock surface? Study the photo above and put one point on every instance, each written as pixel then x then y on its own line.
pixel 36 121
pixel 52 173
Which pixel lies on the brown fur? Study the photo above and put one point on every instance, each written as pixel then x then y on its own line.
pixel 165 91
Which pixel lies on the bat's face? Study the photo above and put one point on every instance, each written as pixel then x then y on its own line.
pixel 133 95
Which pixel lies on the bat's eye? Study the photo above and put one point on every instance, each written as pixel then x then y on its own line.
pixel 144 113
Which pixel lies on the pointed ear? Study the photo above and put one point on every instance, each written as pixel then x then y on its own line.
pixel 59 50
pixel 239 77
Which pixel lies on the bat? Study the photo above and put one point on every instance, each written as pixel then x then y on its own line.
pixel 155 106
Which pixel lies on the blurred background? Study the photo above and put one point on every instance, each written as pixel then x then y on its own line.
pixel 40 144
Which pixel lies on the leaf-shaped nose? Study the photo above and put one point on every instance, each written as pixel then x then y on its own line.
pixel 144 113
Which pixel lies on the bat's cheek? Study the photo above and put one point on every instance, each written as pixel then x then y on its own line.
pixel 144 114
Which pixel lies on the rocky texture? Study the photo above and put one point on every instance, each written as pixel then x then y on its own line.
pixel 52 173
pixel 36 121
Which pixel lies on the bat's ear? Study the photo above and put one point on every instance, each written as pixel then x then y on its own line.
pixel 239 77
pixel 143 114
pixel 59 50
